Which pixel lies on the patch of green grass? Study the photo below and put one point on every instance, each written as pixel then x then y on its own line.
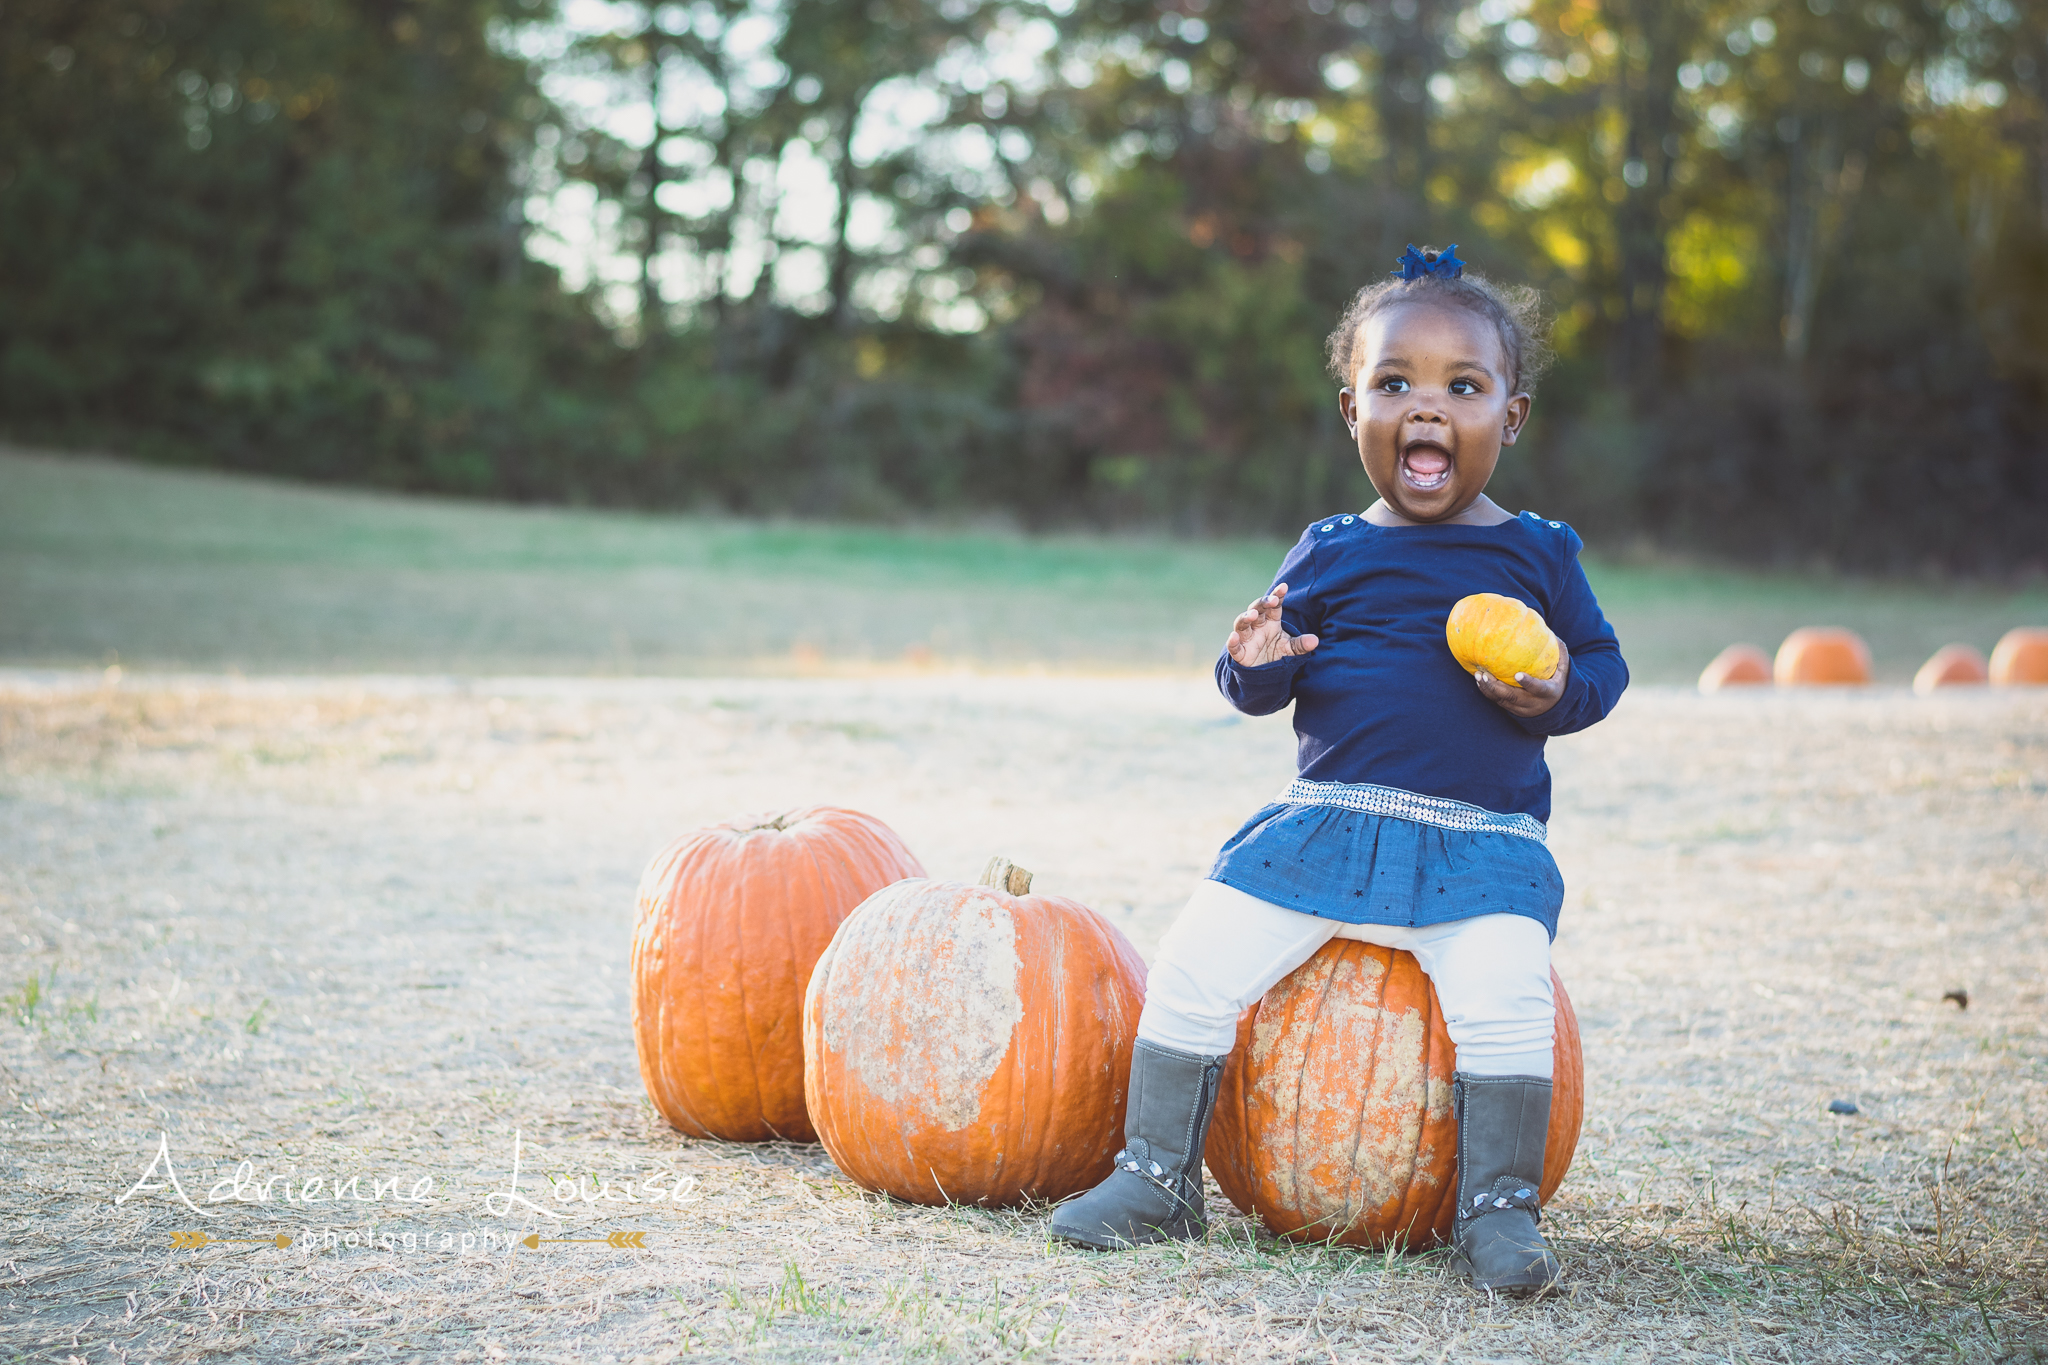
pixel 103 562
pixel 902 1318
pixel 23 1002
pixel 34 1004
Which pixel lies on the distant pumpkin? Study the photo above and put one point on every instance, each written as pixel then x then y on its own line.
pixel 1333 1121
pixel 1951 666
pixel 1502 636
pixel 732 918
pixel 1815 656
pixel 972 1044
pixel 2021 658
pixel 1736 666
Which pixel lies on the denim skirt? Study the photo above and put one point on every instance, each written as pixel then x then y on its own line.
pixel 1379 855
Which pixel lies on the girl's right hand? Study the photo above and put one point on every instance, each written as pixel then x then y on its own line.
pixel 1257 637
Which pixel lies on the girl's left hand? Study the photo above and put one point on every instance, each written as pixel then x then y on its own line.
pixel 1535 695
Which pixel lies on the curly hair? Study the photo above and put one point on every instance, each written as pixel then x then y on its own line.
pixel 1515 310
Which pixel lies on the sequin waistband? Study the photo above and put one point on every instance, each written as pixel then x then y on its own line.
pixel 1405 805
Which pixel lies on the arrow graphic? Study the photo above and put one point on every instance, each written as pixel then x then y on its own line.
pixel 192 1241
pixel 617 1239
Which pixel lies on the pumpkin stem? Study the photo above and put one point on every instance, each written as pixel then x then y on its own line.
pixel 1006 876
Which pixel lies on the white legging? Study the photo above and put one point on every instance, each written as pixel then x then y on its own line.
pixel 1491 972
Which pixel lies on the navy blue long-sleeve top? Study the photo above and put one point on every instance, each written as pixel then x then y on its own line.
pixel 1381 700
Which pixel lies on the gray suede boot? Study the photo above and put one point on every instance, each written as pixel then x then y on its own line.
pixel 1503 1122
pixel 1155 1192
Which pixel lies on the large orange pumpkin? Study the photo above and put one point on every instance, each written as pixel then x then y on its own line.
pixel 1502 636
pixel 1950 666
pixel 972 1044
pixel 2021 658
pixel 1333 1122
pixel 1736 666
pixel 732 918
pixel 1822 655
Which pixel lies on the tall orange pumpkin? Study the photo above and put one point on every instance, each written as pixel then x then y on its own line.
pixel 732 919
pixel 1333 1121
pixel 1822 655
pixel 972 1044
pixel 2021 658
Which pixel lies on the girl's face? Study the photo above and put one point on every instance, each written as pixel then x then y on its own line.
pixel 1432 407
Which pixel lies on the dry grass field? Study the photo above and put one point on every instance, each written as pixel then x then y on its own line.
pixel 375 933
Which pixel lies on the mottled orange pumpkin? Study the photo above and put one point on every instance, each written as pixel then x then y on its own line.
pixel 2021 658
pixel 1736 666
pixel 1501 636
pixel 972 1044
pixel 1815 656
pixel 732 918
pixel 1951 666
pixel 1333 1122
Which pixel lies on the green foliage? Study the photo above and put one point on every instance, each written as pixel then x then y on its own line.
pixel 1789 251
pixel 277 233
pixel 1797 252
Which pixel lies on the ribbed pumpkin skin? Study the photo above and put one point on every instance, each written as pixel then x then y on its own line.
pixel 968 1046
pixel 1333 1122
pixel 1501 636
pixel 1951 666
pixel 1736 666
pixel 1817 656
pixel 732 919
pixel 2021 658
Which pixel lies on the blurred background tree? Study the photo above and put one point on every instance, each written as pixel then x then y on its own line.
pixel 285 235
pixel 1067 262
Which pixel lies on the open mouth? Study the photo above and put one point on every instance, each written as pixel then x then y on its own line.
pixel 1425 467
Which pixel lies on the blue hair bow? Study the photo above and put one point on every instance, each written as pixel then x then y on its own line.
pixel 1413 265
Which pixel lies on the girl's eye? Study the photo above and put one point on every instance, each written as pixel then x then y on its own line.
pixel 1394 385
pixel 1463 387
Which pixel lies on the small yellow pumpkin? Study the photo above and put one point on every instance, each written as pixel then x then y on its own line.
pixel 1501 636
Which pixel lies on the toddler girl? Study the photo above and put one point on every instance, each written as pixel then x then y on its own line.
pixel 1418 818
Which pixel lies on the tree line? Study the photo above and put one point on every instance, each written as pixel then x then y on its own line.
pixel 1071 261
